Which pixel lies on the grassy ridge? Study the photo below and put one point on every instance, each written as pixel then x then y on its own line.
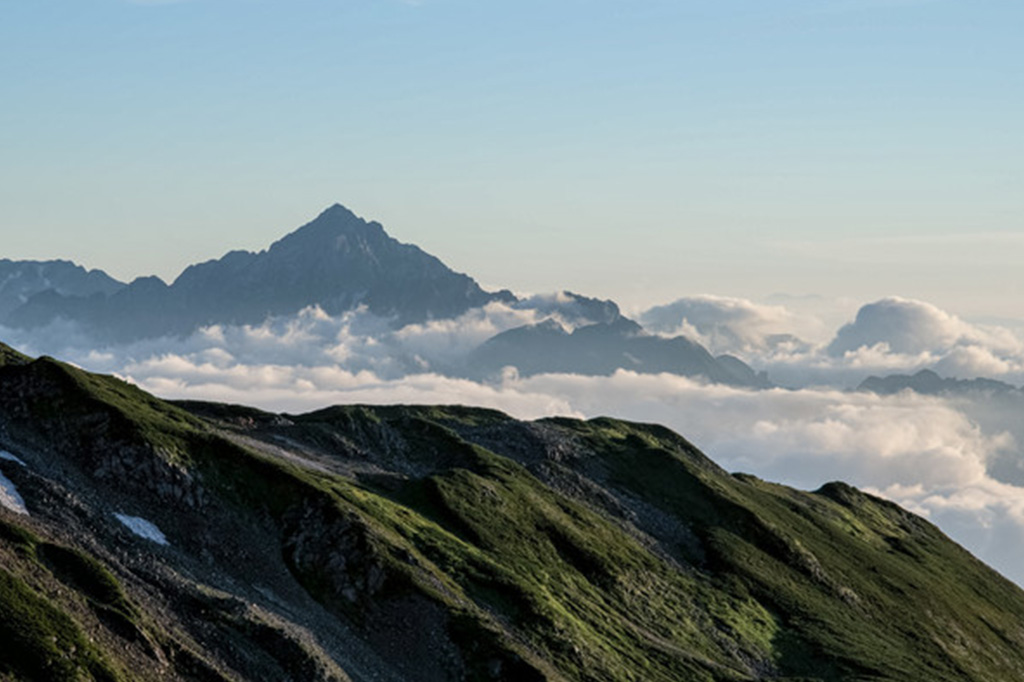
pixel 827 585
pixel 41 640
pixel 588 550
pixel 864 587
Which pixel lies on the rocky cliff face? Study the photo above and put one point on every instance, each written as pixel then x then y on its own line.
pixel 338 261
pixel 210 542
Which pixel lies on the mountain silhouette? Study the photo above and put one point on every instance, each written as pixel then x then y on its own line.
pixel 603 348
pixel 338 262
pixel 21 280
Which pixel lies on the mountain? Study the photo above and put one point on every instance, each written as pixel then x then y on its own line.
pixel 927 382
pixel 572 308
pixel 21 280
pixel 145 540
pixel 601 349
pixel 337 261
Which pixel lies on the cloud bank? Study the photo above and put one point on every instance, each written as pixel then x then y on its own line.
pixel 731 325
pixel 910 329
pixel 956 460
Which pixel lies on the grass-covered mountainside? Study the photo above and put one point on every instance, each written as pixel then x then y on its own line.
pixel 450 543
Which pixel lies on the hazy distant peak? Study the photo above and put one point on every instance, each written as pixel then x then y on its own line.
pixel 338 210
pixel 20 281
pixel 148 282
pixel 927 375
pixel 337 261
pixel 928 382
pixel 601 349
pixel 573 308
pixel 621 325
pixel 334 221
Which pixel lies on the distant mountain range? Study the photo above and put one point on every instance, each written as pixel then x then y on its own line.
pixel 142 540
pixel 601 349
pixel 339 262
pixel 21 280
pixel 927 382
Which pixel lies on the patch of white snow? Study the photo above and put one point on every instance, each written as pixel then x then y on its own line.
pixel 11 458
pixel 142 528
pixel 9 496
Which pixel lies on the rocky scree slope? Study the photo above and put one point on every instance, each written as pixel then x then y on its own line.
pixel 450 543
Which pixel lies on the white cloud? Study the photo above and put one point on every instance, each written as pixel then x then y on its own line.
pixel 911 327
pixel 956 459
pixel 897 335
pixel 731 325
pixel 985 516
pixel 887 336
pixel 923 452
pixel 355 341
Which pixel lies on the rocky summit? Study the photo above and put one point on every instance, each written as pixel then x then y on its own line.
pixel 337 261
pixel 147 540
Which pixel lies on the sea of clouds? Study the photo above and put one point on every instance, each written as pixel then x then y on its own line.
pixel 956 459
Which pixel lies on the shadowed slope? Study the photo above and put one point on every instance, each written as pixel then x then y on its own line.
pixel 428 543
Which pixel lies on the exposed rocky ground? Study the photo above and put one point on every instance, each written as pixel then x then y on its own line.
pixel 199 541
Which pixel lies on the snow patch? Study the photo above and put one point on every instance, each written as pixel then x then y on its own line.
pixel 9 496
pixel 142 528
pixel 11 458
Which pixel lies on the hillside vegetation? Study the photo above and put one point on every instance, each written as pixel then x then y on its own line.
pixel 451 543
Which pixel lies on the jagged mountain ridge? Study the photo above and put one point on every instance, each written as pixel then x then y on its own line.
pixel 431 543
pixel 927 382
pixel 21 280
pixel 339 261
pixel 336 261
pixel 603 348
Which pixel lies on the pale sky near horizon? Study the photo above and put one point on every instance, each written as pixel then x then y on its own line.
pixel 641 150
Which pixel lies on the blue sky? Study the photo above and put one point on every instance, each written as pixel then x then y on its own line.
pixel 637 149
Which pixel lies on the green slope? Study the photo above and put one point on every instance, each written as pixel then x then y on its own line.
pixel 430 543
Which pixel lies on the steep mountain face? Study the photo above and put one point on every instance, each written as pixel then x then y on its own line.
pixel 337 261
pixel 21 280
pixel 145 540
pixel 603 348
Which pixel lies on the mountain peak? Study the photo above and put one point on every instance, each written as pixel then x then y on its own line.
pixel 337 261
pixel 655 563
pixel 337 210
pixel 338 215
pixel 333 222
